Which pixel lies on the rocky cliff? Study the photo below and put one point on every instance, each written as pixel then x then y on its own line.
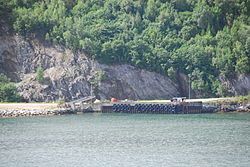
pixel 239 85
pixel 71 75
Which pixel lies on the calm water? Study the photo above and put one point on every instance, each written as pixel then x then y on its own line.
pixel 120 140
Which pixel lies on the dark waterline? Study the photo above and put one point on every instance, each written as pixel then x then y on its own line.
pixel 111 140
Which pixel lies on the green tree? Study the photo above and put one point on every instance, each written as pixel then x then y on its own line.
pixel 151 11
pixel 209 38
pixel 40 74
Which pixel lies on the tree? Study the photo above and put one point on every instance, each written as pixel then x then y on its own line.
pixel 40 74
pixel 209 38
pixel 243 65
pixel 151 10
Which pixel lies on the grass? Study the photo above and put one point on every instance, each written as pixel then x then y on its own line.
pixel 242 99
pixel 232 100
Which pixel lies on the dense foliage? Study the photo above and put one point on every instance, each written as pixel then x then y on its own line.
pixel 40 74
pixel 8 91
pixel 204 39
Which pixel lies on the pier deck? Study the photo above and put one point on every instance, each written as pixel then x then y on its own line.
pixel 147 108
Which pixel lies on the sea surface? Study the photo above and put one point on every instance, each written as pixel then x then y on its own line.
pixel 126 140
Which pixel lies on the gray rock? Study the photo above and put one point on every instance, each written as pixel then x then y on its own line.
pixel 240 85
pixel 68 74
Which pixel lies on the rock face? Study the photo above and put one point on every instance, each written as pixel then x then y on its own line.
pixel 71 75
pixel 240 85
pixel 126 81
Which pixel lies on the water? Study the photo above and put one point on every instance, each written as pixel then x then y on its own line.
pixel 123 140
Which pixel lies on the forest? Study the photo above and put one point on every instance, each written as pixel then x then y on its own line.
pixel 207 40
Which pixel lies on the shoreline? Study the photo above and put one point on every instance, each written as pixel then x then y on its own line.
pixel 8 110
pixel 10 113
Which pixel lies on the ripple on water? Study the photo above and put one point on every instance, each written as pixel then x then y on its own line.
pixel 94 140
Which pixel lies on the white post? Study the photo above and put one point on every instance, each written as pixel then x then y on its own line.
pixel 91 86
pixel 189 87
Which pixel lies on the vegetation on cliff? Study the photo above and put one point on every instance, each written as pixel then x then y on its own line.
pixel 8 91
pixel 204 39
pixel 40 74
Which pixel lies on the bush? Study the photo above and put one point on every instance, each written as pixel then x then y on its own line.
pixel 97 78
pixel 4 79
pixel 40 74
pixel 8 92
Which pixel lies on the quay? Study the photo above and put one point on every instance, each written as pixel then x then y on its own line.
pixel 176 106
pixel 90 104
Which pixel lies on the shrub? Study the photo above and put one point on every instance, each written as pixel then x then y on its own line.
pixel 40 74
pixel 8 92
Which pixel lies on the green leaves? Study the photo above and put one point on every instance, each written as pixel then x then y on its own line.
pixel 4 79
pixel 152 10
pixel 40 74
pixel 8 91
pixel 242 65
pixel 205 38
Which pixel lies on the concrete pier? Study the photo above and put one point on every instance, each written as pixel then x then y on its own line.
pixel 176 106
pixel 152 108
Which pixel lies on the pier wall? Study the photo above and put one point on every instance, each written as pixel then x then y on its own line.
pixel 150 108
